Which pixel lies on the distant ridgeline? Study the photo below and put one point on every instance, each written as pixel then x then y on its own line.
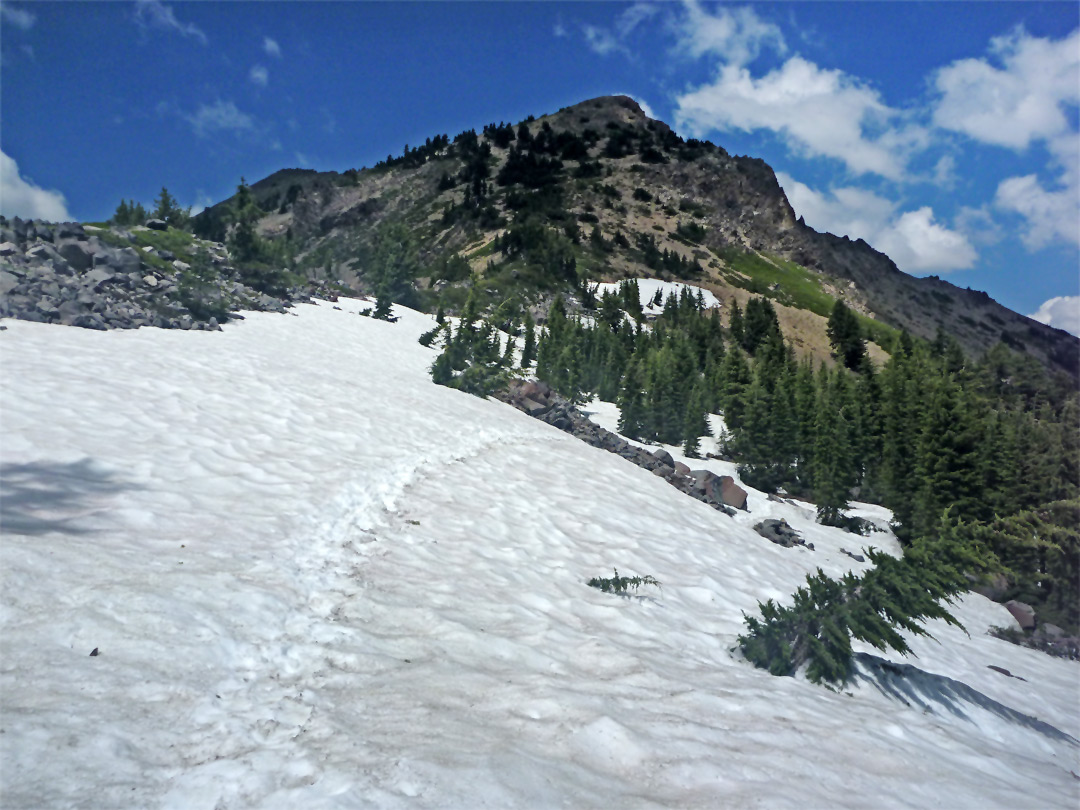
pixel 979 461
pixel 598 191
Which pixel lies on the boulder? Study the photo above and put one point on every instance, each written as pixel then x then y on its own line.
pixel 8 249
pixel 150 281
pixel 76 253
pixel 1023 613
pixel 127 260
pixel 158 225
pixel 778 531
pixel 98 276
pixel 681 468
pixel 664 457
pixel 1051 632
pixel 180 266
pixel 731 493
pixel 8 282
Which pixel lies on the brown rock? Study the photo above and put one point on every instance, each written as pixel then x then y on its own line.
pixel 1024 614
pixel 731 493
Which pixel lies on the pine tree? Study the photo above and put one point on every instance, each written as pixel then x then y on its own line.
pixel 735 323
pixel 845 336
pixel 528 351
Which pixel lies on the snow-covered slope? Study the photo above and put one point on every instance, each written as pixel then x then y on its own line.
pixel 315 580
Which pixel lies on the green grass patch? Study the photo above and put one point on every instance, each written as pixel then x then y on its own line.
pixel 798 287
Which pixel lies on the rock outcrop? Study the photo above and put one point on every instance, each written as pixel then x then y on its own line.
pixel 540 401
pixel 98 278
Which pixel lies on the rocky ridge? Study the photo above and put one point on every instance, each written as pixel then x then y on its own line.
pixel 106 278
pixel 538 400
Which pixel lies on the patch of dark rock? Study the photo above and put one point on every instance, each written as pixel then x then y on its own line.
pixel 540 401
pixel 853 555
pixel 779 531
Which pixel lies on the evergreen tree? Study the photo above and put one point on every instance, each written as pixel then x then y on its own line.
pixel 845 336
pixel 528 351
pixel 735 323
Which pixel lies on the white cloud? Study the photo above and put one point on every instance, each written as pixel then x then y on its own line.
pixel 19 197
pixel 259 75
pixel 217 117
pixel 559 30
pixel 271 47
pixel 155 14
pixel 1025 93
pixel 918 244
pixel 1062 312
pixel 600 40
pixel 912 239
pixel 1022 101
pixel 736 36
pixel 818 112
pixel 1049 215
pixel 20 18
pixel 608 40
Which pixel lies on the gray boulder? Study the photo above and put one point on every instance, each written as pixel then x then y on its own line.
pixel 8 282
pixel 8 249
pixel 157 225
pixel 98 276
pixel 76 253
pixel 664 457
pixel 779 531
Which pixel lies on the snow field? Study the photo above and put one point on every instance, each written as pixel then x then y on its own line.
pixel 318 580
pixel 647 288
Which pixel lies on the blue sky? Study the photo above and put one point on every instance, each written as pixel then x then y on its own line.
pixel 945 134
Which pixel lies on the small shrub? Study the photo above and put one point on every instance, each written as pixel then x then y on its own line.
pixel 617 584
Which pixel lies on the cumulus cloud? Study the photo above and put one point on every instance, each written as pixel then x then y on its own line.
pixel 1062 312
pixel 1025 92
pixel 20 18
pixel 259 75
pixel 736 35
pixel 271 47
pixel 912 239
pixel 1023 100
pixel 155 14
pixel 221 116
pixel 818 112
pixel 19 197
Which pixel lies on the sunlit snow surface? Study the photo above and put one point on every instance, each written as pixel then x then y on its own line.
pixel 318 580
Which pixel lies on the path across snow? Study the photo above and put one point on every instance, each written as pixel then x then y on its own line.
pixel 317 580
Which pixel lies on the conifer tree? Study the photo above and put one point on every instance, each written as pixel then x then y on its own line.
pixel 735 323
pixel 845 336
pixel 528 351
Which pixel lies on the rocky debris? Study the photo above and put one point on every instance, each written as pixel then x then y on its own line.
pixel 75 275
pixel 1023 613
pixel 780 532
pixel 540 401
pixel 1047 638
pixel 853 555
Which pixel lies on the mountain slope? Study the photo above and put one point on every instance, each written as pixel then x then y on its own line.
pixel 602 163
pixel 314 579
